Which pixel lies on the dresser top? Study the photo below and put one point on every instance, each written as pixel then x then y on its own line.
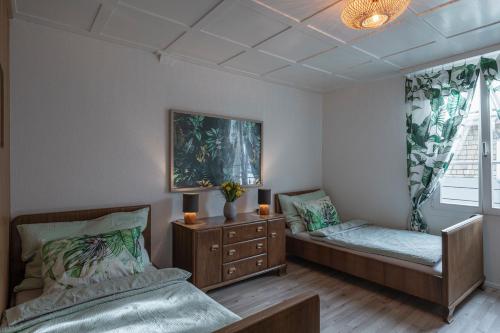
pixel 221 221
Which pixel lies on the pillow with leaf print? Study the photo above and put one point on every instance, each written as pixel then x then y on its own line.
pixel 318 214
pixel 85 260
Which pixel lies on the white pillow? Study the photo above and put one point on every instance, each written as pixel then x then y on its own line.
pixel 34 235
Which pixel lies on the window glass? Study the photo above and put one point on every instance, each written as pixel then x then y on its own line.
pixel 460 184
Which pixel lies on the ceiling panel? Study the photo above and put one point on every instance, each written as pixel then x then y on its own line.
pixel 338 60
pixel 464 16
pixel 422 54
pixel 421 6
pixel 402 35
pixel 330 23
pixel 141 28
pixel 476 39
pixel 199 45
pixel 308 78
pixel 77 14
pixel 295 45
pixel 375 69
pixel 255 62
pixel 297 9
pixel 466 42
pixel 244 25
pixel 185 12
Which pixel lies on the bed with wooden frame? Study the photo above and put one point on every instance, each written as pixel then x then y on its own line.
pixel 295 315
pixel 462 264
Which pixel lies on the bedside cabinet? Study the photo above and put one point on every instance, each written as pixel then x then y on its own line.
pixel 219 252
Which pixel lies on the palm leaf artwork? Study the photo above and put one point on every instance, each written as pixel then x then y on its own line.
pixel 214 142
pixel 207 150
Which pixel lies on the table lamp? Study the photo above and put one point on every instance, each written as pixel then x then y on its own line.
pixel 190 207
pixel 264 198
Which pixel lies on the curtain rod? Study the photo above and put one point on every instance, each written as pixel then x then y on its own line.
pixel 451 60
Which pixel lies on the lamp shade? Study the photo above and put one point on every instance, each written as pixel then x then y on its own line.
pixel 264 196
pixel 190 202
pixel 371 14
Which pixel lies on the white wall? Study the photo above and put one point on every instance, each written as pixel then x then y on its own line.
pixel 364 163
pixel 89 127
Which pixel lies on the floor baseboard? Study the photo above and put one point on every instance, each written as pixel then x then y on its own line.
pixel 492 285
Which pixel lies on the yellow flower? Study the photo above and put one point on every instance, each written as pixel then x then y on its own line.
pixel 238 194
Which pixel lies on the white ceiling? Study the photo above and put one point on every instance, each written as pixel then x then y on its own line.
pixel 300 43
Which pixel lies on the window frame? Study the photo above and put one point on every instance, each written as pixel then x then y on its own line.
pixel 485 205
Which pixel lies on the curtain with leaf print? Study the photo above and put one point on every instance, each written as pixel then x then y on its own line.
pixel 439 102
pixel 490 70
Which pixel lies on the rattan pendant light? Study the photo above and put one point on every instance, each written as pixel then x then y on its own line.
pixel 371 14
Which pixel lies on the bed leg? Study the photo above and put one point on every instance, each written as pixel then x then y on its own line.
pixel 448 314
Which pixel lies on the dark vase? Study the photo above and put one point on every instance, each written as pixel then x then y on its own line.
pixel 230 210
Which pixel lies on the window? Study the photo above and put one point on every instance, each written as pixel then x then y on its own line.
pixel 460 184
pixel 473 177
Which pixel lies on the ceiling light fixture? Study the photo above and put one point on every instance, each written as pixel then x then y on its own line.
pixel 371 14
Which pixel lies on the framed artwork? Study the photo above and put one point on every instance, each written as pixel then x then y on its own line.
pixel 206 150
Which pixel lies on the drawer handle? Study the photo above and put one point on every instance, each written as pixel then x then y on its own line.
pixel 260 228
pixel 259 245
pixel 259 262
pixel 232 234
pixel 231 270
pixel 231 252
pixel 274 235
pixel 214 247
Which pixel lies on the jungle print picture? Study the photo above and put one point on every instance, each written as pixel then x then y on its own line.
pixel 209 150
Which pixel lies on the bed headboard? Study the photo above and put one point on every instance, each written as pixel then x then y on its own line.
pixel 16 265
pixel 277 205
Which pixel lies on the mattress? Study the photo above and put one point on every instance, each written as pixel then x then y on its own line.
pixel 434 270
pixel 417 247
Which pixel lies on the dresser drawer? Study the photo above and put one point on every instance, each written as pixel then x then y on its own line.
pixel 243 267
pixel 245 249
pixel 244 232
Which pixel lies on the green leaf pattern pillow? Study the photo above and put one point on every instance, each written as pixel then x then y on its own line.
pixel 318 214
pixel 85 260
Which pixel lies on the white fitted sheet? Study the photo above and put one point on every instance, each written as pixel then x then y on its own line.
pixel 435 270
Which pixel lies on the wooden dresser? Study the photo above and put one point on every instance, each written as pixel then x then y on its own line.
pixel 219 252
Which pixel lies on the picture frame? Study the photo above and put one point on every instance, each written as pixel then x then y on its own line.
pixel 207 149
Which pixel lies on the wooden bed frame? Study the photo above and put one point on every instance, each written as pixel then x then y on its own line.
pixel 462 264
pixel 296 315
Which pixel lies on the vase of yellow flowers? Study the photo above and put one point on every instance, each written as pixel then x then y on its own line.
pixel 231 191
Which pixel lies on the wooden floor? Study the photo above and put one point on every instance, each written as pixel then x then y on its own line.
pixel 349 304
